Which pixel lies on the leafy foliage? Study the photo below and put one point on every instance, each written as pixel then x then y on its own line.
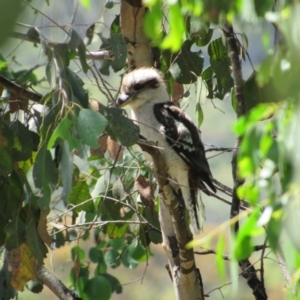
pixel 46 153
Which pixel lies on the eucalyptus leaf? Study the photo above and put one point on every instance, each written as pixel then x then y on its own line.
pixel 90 126
pixel 120 128
pixel 187 65
pixel 220 64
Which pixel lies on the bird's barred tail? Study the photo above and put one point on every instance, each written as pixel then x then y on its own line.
pixel 190 201
pixel 194 221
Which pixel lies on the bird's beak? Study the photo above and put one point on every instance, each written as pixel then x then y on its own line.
pixel 125 99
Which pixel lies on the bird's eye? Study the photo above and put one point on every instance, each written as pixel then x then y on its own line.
pixel 152 83
pixel 139 86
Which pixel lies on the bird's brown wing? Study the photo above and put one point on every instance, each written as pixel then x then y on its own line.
pixel 184 137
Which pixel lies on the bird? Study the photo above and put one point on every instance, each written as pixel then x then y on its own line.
pixel 174 133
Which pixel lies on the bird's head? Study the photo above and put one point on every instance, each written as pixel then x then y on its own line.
pixel 141 86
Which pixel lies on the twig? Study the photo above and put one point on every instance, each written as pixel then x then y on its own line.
pixel 95 55
pixel 226 256
pixel 223 188
pixel 219 149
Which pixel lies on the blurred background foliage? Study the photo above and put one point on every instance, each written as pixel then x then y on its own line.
pixel 52 165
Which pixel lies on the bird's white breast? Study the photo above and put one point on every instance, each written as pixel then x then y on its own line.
pixel 152 130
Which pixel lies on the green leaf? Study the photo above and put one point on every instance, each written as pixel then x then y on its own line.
pixel 249 192
pixel 76 85
pixel 12 196
pixel 207 76
pixel 114 282
pixel 76 42
pixel 120 128
pixel 255 95
pixel 64 131
pixel 44 174
pixel 80 198
pixel 116 230
pixel 96 286
pixel 200 114
pixel 15 234
pixel 112 258
pixel 10 11
pixel 76 251
pixel 274 229
pixel 199 31
pixel 66 169
pixel 50 119
pixel 118 45
pixel 117 243
pixel 24 77
pixel 95 255
pixel 86 3
pixel 101 268
pixel 59 238
pixel 240 126
pixel 109 4
pixel 6 144
pixel 244 244
pixel 127 259
pixel 152 23
pixel 35 243
pixel 261 7
pixel 187 65
pixel 266 140
pixel 151 216
pixel 220 64
pixel 83 276
pixel 90 125
pixel 62 54
pixel 3 223
pixel 174 38
pixel 138 252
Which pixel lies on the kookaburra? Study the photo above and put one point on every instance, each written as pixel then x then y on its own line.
pixel 174 132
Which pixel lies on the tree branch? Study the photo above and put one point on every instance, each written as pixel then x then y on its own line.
pixel 184 273
pixel 22 92
pixel 248 271
pixel 55 285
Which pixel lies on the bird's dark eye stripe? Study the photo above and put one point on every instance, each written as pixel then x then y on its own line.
pixel 153 83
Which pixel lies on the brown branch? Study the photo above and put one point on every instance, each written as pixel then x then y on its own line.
pixel 54 284
pixel 22 92
pixel 248 271
pixel 183 235
pixel 219 149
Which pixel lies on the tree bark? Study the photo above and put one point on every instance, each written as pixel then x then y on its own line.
pixel 248 271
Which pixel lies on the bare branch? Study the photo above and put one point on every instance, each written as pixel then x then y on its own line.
pixel 226 256
pixel 54 284
pixel 219 149
pixel 248 271
pixel 22 92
